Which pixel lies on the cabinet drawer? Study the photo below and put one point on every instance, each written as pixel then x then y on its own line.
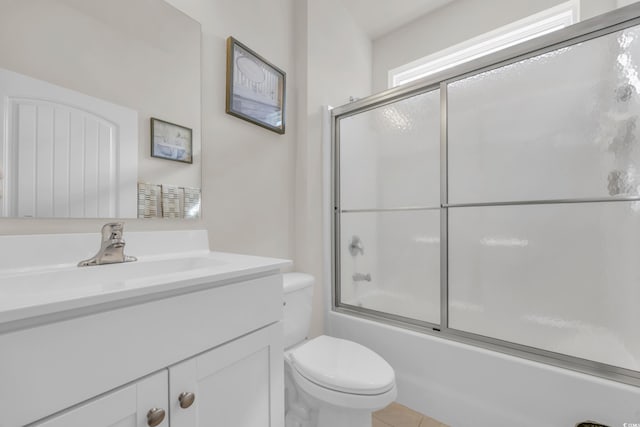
pixel 58 365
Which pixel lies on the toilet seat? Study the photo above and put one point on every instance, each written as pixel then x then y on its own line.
pixel 370 402
pixel 343 366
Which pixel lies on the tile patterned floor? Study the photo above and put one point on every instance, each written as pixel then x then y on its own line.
pixel 396 415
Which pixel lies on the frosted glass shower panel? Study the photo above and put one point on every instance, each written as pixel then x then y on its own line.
pixel 563 278
pixel 396 270
pixel 390 156
pixel 560 125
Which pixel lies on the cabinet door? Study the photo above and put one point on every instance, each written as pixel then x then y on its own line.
pixel 238 384
pixel 126 407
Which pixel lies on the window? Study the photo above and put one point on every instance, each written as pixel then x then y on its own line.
pixel 525 29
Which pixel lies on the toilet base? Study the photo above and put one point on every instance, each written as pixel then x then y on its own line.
pixel 304 410
pixel 300 414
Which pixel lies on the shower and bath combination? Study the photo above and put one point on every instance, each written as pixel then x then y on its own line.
pixel 499 201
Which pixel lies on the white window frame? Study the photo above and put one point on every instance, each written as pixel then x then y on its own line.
pixel 541 23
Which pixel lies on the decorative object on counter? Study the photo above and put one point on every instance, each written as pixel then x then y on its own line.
pixel 168 201
pixel 149 201
pixel 172 201
pixel 170 141
pixel 192 200
pixel 255 88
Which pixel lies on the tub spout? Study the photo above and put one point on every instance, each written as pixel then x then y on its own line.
pixel 359 277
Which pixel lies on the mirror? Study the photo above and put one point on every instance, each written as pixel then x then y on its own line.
pixel 80 81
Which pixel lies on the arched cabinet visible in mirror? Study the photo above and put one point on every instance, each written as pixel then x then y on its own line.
pixel 79 82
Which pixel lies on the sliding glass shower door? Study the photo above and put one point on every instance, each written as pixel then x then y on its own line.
pixel 543 154
pixel 389 208
pixel 500 205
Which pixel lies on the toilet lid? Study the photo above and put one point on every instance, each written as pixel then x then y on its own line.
pixel 343 365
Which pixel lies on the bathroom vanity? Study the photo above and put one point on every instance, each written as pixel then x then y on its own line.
pixel 183 337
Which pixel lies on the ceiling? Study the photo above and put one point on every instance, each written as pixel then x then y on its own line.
pixel 379 17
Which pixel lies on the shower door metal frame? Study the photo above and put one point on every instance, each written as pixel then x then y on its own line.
pixel 608 23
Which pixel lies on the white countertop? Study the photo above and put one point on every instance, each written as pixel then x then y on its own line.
pixel 50 286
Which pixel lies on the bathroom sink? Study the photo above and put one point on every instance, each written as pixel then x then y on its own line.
pixel 42 290
pixel 105 277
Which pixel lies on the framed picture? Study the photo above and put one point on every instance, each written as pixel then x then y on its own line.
pixel 255 87
pixel 170 141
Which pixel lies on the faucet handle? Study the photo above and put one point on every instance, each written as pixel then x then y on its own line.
pixel 111 228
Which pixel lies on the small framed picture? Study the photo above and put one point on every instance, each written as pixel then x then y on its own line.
pixel 255 88
pixel 170 141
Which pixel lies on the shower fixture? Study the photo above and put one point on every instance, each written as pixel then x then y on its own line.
pixel 356 247
pixel 359 277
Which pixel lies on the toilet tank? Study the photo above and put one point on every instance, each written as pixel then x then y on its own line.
pixel 298 296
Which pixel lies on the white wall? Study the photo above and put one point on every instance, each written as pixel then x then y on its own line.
pixel 247 171
pixel 334 63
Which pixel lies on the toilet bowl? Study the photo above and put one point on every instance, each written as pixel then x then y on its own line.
pixel 329 382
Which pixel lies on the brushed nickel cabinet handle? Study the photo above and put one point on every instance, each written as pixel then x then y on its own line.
pixel 155 416
pixel 186 399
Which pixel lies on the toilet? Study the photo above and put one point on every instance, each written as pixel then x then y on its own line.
pixel 329 382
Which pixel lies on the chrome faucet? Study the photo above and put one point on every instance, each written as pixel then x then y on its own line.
pixel 112 247
pixel 359 277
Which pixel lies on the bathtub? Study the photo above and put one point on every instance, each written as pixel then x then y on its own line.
pixel 463 385
pixel 559 335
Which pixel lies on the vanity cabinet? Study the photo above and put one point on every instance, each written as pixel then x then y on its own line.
pixel 233 385
pixel 219 342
